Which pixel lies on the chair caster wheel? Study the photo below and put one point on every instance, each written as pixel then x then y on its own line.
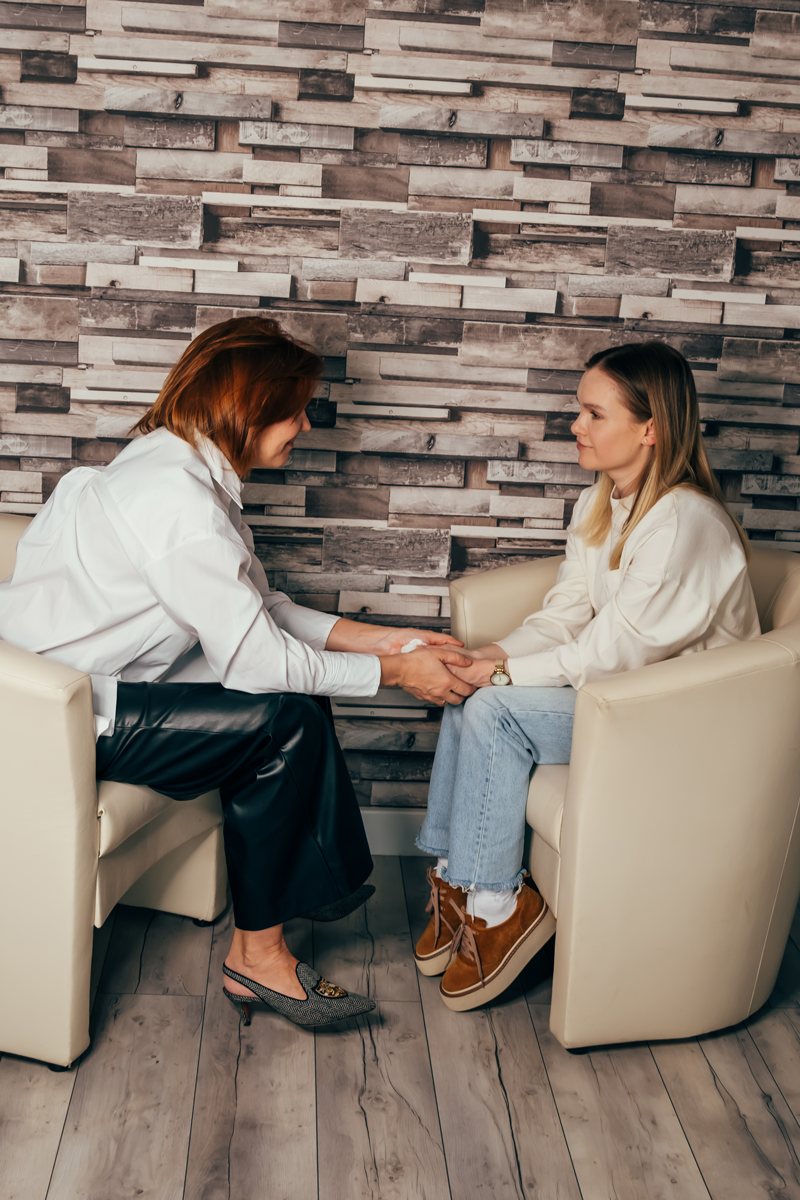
pixel 56 1069
pixel 201 924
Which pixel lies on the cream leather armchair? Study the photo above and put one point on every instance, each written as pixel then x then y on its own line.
pixel 70 849
pixel 669 848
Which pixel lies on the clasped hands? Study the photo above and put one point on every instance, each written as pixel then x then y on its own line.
pixel 441 671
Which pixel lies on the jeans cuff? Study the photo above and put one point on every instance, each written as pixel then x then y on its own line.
pixel 469 885
pixel 426 849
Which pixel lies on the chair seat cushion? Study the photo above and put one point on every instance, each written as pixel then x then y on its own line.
pixel 545 807
pixel 123 808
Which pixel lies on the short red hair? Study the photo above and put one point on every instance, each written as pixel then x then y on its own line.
pixel 230 383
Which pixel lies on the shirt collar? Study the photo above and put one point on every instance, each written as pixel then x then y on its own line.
pixel 221 470
pixel 621 507
pixel 622 502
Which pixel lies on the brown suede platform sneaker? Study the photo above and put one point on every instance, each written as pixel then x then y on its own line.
pixel 485 961
pixel 432 951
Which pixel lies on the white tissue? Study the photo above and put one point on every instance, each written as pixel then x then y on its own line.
pixel 412 645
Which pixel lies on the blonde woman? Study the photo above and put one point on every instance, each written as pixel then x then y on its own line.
pixel 656 566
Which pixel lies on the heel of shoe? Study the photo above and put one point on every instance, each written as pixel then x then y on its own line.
pixel 242 1005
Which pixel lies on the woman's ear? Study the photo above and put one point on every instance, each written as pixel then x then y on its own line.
pixel 649 438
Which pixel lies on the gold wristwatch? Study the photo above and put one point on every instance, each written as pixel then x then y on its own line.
pixel 500 676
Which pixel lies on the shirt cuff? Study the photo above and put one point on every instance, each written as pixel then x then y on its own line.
pixel 104 704
pixel 529 670
pixel 352 674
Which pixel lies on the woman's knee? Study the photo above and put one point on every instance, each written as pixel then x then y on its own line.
pixel 481 703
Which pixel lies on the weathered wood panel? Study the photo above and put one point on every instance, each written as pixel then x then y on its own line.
pixel 706 139
pixel 179 104
pixel 460 122
pixel 151 220
pixel 687 253
pixel 697 168
pixel 749 358
pixel 420 150
pixel 594 20
pixel 276 133
pixel 594 54
pixel 43 16
pixel 174 135
pixel 567 348
pixel 422 551
pixel 424 237
pixel 579 154
pixel 313 35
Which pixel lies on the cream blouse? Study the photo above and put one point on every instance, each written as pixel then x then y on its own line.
pixel 681 586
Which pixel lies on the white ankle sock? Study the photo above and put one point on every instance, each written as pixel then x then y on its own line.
pixel 440 865
pixel 493 907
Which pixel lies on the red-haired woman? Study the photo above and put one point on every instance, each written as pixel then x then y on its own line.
pixel 145 576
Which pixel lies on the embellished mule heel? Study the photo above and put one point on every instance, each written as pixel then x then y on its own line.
pixel 242 1004
pixel 324 1004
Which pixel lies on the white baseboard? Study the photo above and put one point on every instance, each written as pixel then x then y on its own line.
pixel 392 830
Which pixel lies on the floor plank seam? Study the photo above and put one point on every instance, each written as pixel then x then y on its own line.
pixel 235 1102
pixel 113 918
pixel 316 1072
pixel 361 1094
pixel 425 1029
pixel 680 1122
pixel 61 1135
pixel 767 1102
pixel 490 1022
pixel 199 1053
pixel 141 953
pixel 555 1102
pixel 778 1087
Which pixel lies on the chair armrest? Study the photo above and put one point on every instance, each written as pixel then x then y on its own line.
pixel 487 606
pixel 680 848
pixel 48 855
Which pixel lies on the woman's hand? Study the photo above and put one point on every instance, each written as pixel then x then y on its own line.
pixel 479 671
pixel 492 651
pixel 361 638
pixel 482 665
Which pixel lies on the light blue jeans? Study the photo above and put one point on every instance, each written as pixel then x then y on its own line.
pixel 487 749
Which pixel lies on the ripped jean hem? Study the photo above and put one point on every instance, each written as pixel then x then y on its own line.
pixel 428 849
pixel 469 885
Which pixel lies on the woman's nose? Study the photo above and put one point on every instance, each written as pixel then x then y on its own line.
pixel 306 425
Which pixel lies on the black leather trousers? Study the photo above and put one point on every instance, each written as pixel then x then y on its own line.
pixel 294 838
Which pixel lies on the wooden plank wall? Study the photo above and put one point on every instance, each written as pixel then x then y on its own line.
pixel 456 202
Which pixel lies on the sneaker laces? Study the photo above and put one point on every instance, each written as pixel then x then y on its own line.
pixel 464 940
pixel 434 905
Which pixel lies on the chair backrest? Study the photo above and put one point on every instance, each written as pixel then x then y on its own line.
pixel 775 576
pixel 12 527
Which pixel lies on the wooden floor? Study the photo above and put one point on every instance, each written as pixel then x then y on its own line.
pixel 175 1100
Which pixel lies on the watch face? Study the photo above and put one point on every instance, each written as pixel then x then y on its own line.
pixel 499 678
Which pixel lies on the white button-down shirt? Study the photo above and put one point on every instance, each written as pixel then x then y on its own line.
pixel 682 586
pixel 146 571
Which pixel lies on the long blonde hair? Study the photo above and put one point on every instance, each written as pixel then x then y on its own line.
pixel 655 381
